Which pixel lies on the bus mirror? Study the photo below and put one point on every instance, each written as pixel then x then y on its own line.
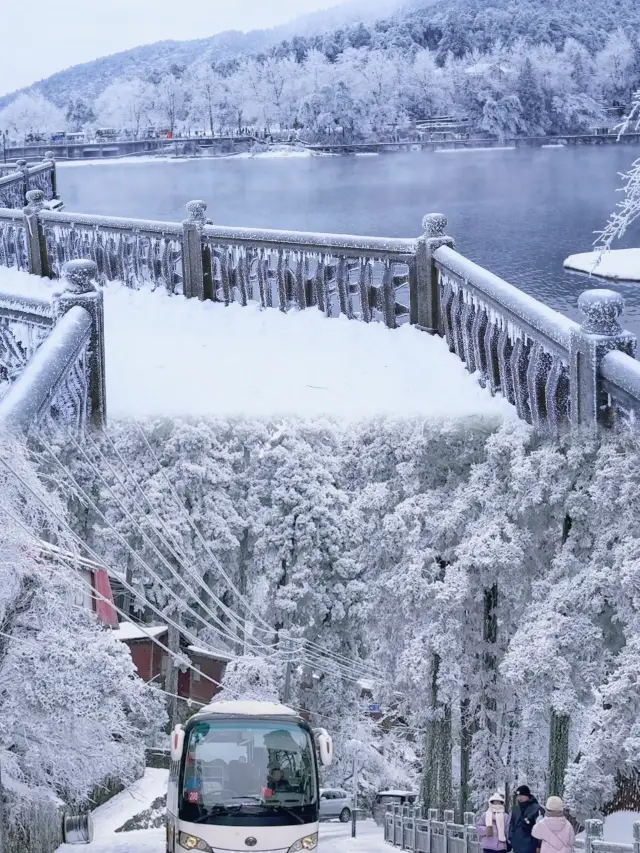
pixel 325 746
pixel 177 743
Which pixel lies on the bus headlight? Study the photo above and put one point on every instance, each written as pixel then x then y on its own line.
pixel 190 842
pixel 309 842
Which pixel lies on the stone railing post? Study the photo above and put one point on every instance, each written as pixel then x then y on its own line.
pixel 22 166
pixel 424 294
pixel 636 837
pixel 50 157
pixel 469 824
pixel 36 243
pixel 599 334
pixel 79 289
pixel 593 830
pixel 192 266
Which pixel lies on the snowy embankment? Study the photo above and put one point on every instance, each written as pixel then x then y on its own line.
pixel 116 811
pixel 622 264
pixel 169 356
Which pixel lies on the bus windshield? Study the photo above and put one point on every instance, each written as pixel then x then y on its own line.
pixel 249 773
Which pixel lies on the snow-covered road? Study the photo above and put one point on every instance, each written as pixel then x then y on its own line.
pixel 334 837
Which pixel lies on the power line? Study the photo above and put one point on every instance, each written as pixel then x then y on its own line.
pixel 126 545
pixel 215 560
pixel 181 558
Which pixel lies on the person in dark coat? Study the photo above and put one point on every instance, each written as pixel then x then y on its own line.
pixel 526 812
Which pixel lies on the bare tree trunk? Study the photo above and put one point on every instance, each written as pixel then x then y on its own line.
pixel 558 752
pixel 467 728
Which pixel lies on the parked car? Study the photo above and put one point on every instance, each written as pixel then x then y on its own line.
pixel 384 799
pixel 335 804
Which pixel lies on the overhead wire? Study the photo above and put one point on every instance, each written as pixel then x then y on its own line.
pixel 180 557
pixel 268 628
pixel 127 546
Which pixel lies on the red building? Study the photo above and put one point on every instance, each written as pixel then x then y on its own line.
pixel 151 661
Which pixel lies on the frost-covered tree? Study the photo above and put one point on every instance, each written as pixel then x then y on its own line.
pixel 628 210
pixel 72 711
pixel 126 105
pixel 250 677
pixel 31 114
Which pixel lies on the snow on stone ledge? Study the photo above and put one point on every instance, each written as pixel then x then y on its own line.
pixel 623 264
pixel 169 356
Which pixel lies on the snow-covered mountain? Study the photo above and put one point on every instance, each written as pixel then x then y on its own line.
pixel 89 79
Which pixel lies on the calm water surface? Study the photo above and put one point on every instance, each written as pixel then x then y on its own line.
pixel 518 213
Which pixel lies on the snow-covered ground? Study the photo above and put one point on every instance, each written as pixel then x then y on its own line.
pixel 177 357
pixel 618 827
pixel 334 837
pixel 623 264
pixel 116 811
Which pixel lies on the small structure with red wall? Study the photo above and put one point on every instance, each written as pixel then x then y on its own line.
pixel 151 661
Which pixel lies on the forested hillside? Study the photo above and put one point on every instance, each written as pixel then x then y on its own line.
pixel 527 67
pixel 487 580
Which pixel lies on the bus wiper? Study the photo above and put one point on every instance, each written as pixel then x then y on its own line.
pixel 285 809
pixel 217 809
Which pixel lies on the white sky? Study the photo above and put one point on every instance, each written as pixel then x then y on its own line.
pixel 40 37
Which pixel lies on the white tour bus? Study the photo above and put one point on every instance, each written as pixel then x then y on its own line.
pixel 244 777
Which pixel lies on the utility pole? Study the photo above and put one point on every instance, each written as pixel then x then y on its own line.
pixel 287 686
pixel 354 810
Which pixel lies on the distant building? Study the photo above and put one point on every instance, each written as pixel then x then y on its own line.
pixel 152 661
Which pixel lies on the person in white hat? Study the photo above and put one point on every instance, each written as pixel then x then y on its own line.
pixel 493 825
pixel 554 831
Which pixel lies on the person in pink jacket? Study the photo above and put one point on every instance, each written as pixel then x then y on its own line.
pixel 554 831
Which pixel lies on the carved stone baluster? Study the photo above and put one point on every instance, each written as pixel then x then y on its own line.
pixel 446 302
pixel 490 344
pixel 241 274
pixel 326 287
pixel 519 366
pixel 343 284
pixel 319 283
pixel 261 279
pixel 537 376
pixel 224 275
pixel 457 306
pixel 467 320
pixel 363 284
pixel 478 331
pixel 301 295
pixel 557 395
pixel 309 288
pixel 388 296
pixel 282 282
pixel 167 266
pixel 505 349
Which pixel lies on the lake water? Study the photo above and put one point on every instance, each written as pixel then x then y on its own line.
pixel 519 213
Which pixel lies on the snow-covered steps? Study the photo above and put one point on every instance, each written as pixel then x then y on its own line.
pixel 177 357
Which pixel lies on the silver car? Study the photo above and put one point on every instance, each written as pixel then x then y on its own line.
pixel 335 804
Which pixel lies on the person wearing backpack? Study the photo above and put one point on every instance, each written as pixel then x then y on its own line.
pixel 525 814
pixel 554 831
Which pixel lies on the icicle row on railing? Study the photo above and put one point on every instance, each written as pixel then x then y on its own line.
pixel 16 183
pixel 134 255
